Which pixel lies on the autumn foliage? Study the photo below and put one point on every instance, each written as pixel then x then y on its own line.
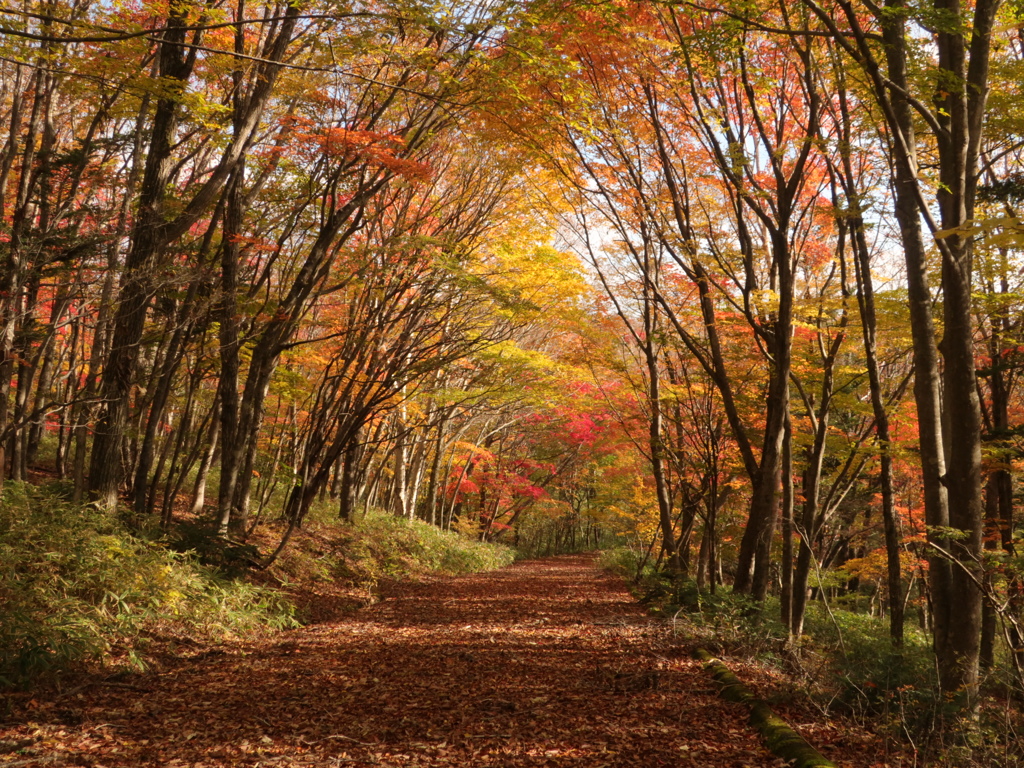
pixel 732 288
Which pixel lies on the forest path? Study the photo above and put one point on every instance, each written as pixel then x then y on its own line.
pixel 544 663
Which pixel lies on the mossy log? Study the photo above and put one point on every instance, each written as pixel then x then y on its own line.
pixel 782 740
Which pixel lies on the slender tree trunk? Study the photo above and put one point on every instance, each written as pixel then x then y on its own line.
pixel 232 443
pixel 866 300
pixel 209 456
pixel 14 266
pixel 655 430
pixel 171 360
pixel 786 598
pixel 926 359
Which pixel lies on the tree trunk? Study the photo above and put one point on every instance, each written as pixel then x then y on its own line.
pixel 655 436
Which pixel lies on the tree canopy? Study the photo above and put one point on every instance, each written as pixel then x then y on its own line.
pixel 733 285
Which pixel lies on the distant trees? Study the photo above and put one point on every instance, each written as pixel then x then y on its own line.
pixel 696 165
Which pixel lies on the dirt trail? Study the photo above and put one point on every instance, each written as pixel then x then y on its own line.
pixel 545 663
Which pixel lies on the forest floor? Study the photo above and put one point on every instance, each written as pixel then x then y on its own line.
pixel 544 663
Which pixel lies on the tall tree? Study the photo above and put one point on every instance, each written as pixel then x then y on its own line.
pixel 155 226
pixel 952 108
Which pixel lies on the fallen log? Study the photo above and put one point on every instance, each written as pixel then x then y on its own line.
pixel 779 737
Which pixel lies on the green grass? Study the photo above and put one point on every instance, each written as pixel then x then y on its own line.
pixel 629 563
pixel 401 547
pixel 383 547
pixel 76 585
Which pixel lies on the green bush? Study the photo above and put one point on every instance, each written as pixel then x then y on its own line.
pixel 393 547
pixel 723 622
pixel 200 540
pixel 381 547
pixel 627 562
pixel 868 673
pixel 74 583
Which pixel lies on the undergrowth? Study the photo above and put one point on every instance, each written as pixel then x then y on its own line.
pixel 843 664
pixel 628 562
pixel 380 547
pixel 76 585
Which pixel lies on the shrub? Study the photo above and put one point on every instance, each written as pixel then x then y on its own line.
pixel 200 540
pixel 627 562
pixel 847 661
pixel 381 546
pixel 393 547
pixel 722 621
pixel 74 583
pixel 868 670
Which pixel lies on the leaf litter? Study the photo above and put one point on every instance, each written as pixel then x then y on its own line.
pixel 544 663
